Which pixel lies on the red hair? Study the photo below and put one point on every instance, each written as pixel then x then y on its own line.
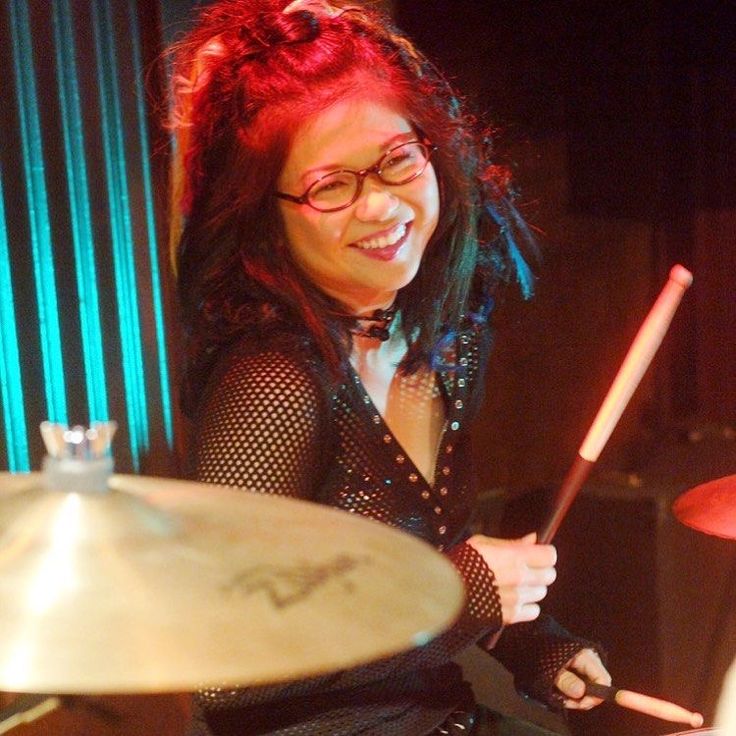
pixel 244 80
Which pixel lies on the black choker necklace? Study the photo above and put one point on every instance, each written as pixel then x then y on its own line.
pixel 375 325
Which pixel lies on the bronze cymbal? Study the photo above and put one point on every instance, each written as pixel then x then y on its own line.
pixel 710 507
pixel 161 585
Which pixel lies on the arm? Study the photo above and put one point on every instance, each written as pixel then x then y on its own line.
pixel 547 662
pixel 261 426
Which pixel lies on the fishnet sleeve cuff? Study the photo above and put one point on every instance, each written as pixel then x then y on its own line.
pixel 555 655
pixel 535 652
pixel 482 611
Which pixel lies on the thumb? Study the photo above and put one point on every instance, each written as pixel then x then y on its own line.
pixel 570 685
pixel 530 538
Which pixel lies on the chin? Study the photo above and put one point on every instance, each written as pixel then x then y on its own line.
pixel 398 283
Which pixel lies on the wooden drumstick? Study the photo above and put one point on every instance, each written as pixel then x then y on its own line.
pixel 637 360
pixel 662 709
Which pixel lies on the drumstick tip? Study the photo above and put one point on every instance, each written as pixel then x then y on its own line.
pixel 681 275
pixel 656 707
pixel 696 720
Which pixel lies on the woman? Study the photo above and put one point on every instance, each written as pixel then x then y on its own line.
pixel 343 236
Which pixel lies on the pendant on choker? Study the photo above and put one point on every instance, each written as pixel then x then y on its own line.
pixel 375 325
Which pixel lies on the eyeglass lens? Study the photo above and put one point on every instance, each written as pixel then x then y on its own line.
pixel 399 166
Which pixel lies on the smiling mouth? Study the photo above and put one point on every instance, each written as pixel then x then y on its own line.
pixel 392 237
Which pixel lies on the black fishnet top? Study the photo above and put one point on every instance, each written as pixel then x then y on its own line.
pixel 272 421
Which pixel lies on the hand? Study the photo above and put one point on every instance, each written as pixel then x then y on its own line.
pixel 523 570
pixel 588 665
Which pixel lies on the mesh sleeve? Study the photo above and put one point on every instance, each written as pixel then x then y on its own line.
pixel 535 652
pixel 260 426
pixel 482 610
pixel 265 427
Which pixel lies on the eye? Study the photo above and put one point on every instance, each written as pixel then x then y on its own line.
pixel 331 185
pixel 398 159
pixel 403 162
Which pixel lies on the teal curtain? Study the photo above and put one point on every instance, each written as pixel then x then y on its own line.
pixel 84 283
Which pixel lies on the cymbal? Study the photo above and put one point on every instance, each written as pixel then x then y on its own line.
pixel 710 507
pixel 163 585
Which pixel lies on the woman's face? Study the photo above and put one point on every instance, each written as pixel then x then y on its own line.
pixel 361 255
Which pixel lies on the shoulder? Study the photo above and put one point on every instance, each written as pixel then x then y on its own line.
pixel 264 418
pixel 266 367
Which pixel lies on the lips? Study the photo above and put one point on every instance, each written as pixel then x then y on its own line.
pixel 385 245
pixel 384 239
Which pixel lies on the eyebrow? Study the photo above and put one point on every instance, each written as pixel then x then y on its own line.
pixel 385 147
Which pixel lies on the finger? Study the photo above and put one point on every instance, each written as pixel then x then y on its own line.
pixel 514 611
pixel 585 703
pixel 527 612
pixel 574 688
pixel 516 607
pixel 588 664
pixel 570 685
pixel 538 576
pixel 532 594
pixel 515 597
pixel 540 555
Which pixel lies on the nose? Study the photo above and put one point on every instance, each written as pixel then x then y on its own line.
pixel 377 202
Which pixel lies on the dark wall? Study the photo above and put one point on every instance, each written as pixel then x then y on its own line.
pixel 618 118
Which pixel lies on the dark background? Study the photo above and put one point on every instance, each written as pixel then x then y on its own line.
pixel 619 121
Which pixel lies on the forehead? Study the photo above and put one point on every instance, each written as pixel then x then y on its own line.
pixel 349 132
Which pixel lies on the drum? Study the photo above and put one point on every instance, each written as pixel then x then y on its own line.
pixel 700 732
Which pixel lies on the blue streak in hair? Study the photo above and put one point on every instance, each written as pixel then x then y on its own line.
pixel 437 358
pixel 524 276
pixel 481 315
pixel 522 272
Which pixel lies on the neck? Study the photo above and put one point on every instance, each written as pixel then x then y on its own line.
pixel 372 322
pixel 376 325
pixel 371 351
pixel 362 303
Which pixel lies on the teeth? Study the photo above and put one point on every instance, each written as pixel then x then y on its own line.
pixel 384 241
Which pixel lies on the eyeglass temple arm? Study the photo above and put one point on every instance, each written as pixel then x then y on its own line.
pixel 290 197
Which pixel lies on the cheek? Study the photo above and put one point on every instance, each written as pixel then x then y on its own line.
pixel 431 202
pixel 308 236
